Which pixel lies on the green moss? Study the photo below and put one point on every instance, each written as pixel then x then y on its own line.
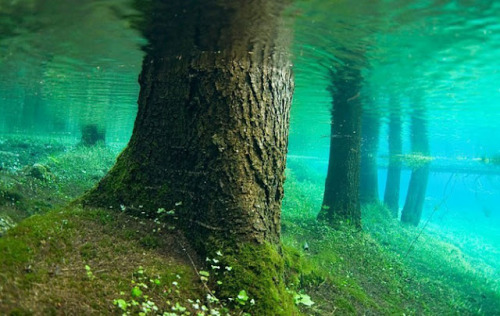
pixel 9 195
pixel 88 252
pixel 345 305
pixel 14 253
pixel 300 271
pixel 258 269
pixel 149 241
pixel 48 253
pixel 20 312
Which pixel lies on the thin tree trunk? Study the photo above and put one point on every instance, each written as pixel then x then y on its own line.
pixel 341 198
pixel 412 210
pixel 392 186
pixel 370 126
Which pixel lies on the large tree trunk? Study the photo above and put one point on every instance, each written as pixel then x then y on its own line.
pixel 412 210
pixel 341 199
pixel 210 137
pixel 392 185
pixel 370 126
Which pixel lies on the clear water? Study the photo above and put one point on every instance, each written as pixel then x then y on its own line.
pixel 64 64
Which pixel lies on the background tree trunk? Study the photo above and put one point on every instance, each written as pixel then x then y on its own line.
pixel 341 198
pixel 392 186
pixel 370 130
pixel 92 135
pixel 412 210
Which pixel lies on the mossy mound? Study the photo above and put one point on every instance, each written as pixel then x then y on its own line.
pixel 258 270
pixel 79 262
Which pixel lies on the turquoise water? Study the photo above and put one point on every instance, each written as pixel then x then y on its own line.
pixel 66 64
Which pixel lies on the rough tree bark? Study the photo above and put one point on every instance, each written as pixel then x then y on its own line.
pixel 392 185
pixel 370 126
pixel 412 210
pixel 211 133
pixel 341 198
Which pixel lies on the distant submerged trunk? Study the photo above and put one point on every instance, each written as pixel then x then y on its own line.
pixel 370 126
pixel 210 138
pixel 341 197
pixel 392 186
pixel 412 210
pixel 92 135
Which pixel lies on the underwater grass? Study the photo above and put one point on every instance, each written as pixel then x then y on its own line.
pixel 86 262
pixel 371 271
pixel 44 174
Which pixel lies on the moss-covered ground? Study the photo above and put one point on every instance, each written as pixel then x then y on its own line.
pixel 69 261
pixel 385 269
pixel 39 174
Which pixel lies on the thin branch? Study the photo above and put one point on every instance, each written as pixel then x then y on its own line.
pixel 197 272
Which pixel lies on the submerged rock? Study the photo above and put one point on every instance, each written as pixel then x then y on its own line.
pixel 40 172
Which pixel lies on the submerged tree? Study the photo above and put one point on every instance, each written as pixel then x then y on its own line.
pixel 210 137
pixel 392 185
pixel 370 126
pixel 412 210
pixel 341 197
pixel 92 135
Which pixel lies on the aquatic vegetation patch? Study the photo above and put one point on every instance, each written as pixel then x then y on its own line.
pixel 494 160
pixel 55 175
pixel 347 271
pixel 19 151
pixel 413 161
pixel 436 265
